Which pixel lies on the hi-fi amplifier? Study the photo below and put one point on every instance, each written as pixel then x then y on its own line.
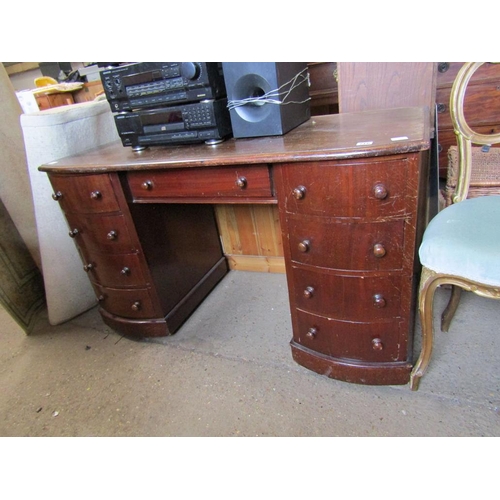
pixel 156 84
pixel 183 124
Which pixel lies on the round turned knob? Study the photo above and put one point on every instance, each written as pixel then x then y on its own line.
pixel 377 345
pixel 125 271
pixel 241 182
pixel 311 333
pixel 380 191
pixel 379 250
pixel 112 235
pixel 147 185
pixel 441 107
pixel 73 233
pixel 88 267
pixel 57 196
pixel 308 292
pixel 95 195
pixel 190 70
pixel 100 298
pixel 136 306
pixel 304 245
pixel 379 301
pixel 443 67
pixel 299 192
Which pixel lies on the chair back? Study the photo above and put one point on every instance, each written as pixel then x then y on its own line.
pixel 465 135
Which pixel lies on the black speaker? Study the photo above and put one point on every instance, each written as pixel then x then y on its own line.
pixel 266 98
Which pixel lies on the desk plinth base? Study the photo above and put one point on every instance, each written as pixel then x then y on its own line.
pixel 136 328
pixel 397 373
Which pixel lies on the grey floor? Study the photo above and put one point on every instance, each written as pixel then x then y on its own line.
pixel 229 372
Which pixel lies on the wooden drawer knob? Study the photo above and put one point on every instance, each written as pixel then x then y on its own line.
pixel 443 67
pixel 441 107
pixel 241 182
pixel 311 333
pixel 147 185
pixel 379 250
pixel 380 191
pixel 100 298
pixel 136 306
pixel 95 195
pixel 308 292
pixel 299 192
pixel 379 301
pixel 112 235
pixel 377 345
pixel 57 196
pixel 74 233
pixel 304 246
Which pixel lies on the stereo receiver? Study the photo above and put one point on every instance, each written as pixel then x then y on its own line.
pixel 206 121
pixel 155 84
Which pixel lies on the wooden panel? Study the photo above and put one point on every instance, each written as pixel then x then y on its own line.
pixel 256 263
pixel 481 104
pixel 250 230
pixel 447 72
pixel 383 85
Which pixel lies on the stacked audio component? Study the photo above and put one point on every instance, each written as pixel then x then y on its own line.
pixel 162 103
pixel 266 98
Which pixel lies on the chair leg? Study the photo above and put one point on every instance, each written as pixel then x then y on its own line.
pixel 428 285
pixel 451 308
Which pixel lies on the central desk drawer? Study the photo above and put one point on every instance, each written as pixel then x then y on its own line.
pixel 219 182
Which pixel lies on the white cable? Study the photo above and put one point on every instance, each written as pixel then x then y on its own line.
pixel 268 97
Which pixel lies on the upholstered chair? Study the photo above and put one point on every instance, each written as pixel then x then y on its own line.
pixel 461 245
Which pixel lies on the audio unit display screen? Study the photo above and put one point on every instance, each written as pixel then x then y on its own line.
pixel 162 118
pixel 146 77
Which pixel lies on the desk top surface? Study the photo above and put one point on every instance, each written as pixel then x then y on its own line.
pixel 328 137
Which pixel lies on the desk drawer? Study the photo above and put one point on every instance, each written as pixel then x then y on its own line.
pixel 101 233
pixel 357 188
pixel 85 193
pixel 356 298
pixel 238 182
pixel 357 246
pixel 115 270
pixel 379 342
pixel 134 304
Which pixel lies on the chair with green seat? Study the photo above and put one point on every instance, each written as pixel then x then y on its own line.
pixel 461 244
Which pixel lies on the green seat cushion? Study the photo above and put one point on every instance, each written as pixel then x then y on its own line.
pixel 464 240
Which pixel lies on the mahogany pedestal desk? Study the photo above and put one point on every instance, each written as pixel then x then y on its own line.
pixel 351 192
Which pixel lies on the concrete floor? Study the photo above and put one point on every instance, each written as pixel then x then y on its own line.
pixel 229 372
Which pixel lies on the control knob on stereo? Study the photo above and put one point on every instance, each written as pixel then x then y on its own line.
pixel 190 70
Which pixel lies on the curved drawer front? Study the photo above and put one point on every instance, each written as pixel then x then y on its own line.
pixel 101 233
pixel 357 189
pixel 239 182
pixel 349 297
pixel 377 342
pixel 115 270
pixel 347 245
pixel 134 304
pixel 85 193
